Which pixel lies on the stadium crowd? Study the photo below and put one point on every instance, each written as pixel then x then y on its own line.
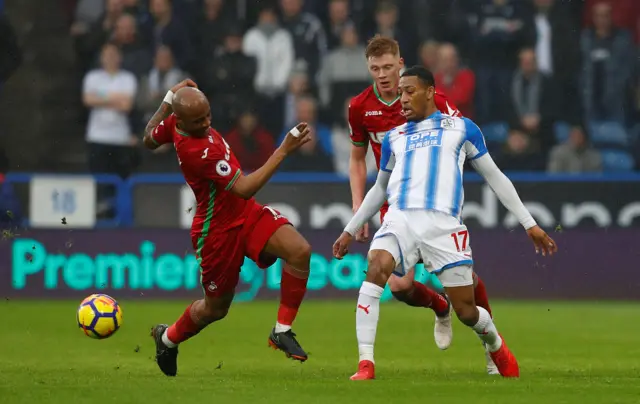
pixel 553 84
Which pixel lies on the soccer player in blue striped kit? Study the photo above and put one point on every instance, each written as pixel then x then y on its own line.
pixel 421 177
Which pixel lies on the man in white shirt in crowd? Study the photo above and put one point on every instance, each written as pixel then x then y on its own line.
pixel 109 93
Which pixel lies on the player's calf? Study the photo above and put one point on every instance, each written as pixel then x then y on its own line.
pixel 380 267
pixel 413 293
pixel 289 245
pixel 458 283
pixel 480 294
pixel 195 318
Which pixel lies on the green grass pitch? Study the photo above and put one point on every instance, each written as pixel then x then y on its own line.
pixel 568 353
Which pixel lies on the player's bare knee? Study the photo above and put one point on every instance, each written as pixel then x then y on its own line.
pixel 380 267
pixel 300 257
pixel 215 309
pixel 399 283
pixel 213 314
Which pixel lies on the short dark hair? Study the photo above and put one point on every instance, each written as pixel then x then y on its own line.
pixel 422 73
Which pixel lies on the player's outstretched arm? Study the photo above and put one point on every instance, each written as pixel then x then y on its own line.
pixel 358 161
pixel 506 192
pixel 358 181
pixel 372 203
pixel 247 186
pixel 163 113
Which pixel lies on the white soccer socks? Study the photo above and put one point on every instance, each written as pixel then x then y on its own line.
pixel 367 314
pixel 487 331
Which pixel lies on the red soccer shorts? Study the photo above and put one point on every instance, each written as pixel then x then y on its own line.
pixel 223 254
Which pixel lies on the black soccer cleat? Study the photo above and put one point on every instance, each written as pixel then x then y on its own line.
pixel 166 358
pixel 287 343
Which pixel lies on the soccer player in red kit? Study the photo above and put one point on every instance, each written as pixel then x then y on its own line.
pixel 372 114
pixel 229 224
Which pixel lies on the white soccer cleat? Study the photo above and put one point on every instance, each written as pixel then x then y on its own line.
pixel 443 331
pixel 492 369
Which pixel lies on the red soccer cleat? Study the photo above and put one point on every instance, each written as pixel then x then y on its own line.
pixel 366 371
pixel 505 361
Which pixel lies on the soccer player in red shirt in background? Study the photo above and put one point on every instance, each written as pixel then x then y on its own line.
pixel 229 224
pixel 372 114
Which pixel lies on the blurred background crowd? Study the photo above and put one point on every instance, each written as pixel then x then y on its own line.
pixel 554 84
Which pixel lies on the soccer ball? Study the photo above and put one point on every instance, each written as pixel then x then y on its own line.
pixel 99 316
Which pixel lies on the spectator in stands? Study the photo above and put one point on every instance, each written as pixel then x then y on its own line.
pixel 10 53
pixel 171 32
pixel 298 87
pixel 228 80
pixel 575 155
pixel 344 71
pixel 250 142
pixel 11 215
pixel 341 144
pixel 311 157
pixel 87 13
pixel 154 85
pixel 144 20
pixel 607 55
pixel 337 21
pixel 439 20
pixel 89 40
pixel 136 58
pixel 307 111
pixel 519 153
pixel 557 54
pixel 533 101
pixel 502 28
pixel 428 54
pixel 386 19
pixel 272 46
pixel 625 14
pixel 309 38
pixel 458 84
pixel 209 33
pixel 109 94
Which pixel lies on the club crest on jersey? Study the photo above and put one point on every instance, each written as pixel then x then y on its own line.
pixel 426 139
pixel 447 123
pixel 223 168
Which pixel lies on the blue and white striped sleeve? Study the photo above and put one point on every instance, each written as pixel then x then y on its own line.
pixel 474 145
pixel 387 159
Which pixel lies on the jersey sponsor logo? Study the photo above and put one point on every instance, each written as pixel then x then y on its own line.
pixel 373 113
pixel 426 139
pixel 223 168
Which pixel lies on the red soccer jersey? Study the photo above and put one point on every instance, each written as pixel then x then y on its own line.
pixel 370 117
pixel 210 169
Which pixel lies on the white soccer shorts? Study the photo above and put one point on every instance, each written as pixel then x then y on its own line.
pixel 439 239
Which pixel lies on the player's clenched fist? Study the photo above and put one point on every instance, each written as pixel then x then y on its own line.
pixel 296 137
pixel 341 246
pixel 542 241
pixel 183 84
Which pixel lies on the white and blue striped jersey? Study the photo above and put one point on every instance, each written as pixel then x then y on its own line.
pixel 426 162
